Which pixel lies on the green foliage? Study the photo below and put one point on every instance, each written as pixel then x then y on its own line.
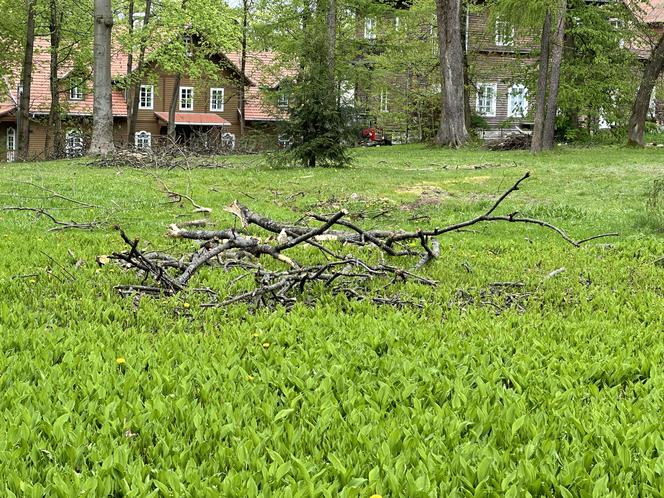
pixel 317 128
pixel 557 393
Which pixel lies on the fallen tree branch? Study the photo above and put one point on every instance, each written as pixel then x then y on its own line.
pixel 237 250
pixel 60 225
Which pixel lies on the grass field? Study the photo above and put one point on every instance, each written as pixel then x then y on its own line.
pixel 552 390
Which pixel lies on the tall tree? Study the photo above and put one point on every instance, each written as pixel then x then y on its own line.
pixel 540 107
pixel 452 130
pixel 102 117
pixel 242 87
pixel 130 59
pixel 135 90
pixel 558 45
pixel 637 120
pixel 54 139
pixel 317 128
pixel 26 84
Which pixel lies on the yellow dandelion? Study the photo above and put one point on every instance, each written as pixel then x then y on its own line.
pixel 250 378
pixel 120 360
pixel 376 496
pixel 186 306
pixel 266 345
pixel 256 334
pixel 33 281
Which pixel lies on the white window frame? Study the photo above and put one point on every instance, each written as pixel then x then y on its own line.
pixel 618 24
pixel 143 140
pixel 228 141
pixel 191 98
pixel 74 145
pixel 510 101
pixel 11 145
pixel 492 110
pixel 188 45
pixel 149 97
pixel 383 101
pixel 369 28
pixel 76 92
pixel 282 101
pixel 220 103
pixel 502 38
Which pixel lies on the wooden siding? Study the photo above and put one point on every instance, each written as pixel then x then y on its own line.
pixel 482 36
pixel 503 70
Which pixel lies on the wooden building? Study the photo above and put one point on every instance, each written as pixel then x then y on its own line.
pixel 207 109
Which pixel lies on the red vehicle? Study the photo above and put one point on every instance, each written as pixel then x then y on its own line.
pixel 373 137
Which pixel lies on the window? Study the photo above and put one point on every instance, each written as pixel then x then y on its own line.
pixel 76 92
pixel 282 101
pixel 228 141
pixel 186 98
pixel 517 101
pixel 11 145
pixel 486 99
pixel 504 34
pixel 143 140
pixel 74 143
pixel 618 25
pixel 383 101
pixel 217 99
pixel 370 28
pixel 146 97
pixel 188 45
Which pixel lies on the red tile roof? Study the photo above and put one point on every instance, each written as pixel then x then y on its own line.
pixel 194 118
pixel 262 69
pixel 6 109
pixel 653 11
pixel 265 72
pixel 40 92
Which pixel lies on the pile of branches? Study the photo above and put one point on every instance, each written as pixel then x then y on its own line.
pixel 513 141
pixel 348 274
pixel 168 157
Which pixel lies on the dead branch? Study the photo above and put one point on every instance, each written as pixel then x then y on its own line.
pixel 176 197
pixel 60 225
pixel 237 250
pixel 57 195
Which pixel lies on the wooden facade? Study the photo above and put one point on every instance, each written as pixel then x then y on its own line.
pixel 201 120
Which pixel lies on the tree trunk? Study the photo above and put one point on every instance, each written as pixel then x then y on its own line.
pixel 130 65
pixel 26 85
pixel 637 120
pixel 173 107
pixel 241 105
pixel 540 109
pixel 102 113
pixel 554 79
pixel 54 144
pixel 452 130
pixel 136 82
pixel 466 72
pixel 331 25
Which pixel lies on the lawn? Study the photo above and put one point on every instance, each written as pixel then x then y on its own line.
pixel 553 388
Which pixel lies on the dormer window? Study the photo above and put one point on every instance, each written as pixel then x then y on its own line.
pixel 370 28
pixel 618 25
pixel 75 91
pixel 188 45
pixel 504 34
